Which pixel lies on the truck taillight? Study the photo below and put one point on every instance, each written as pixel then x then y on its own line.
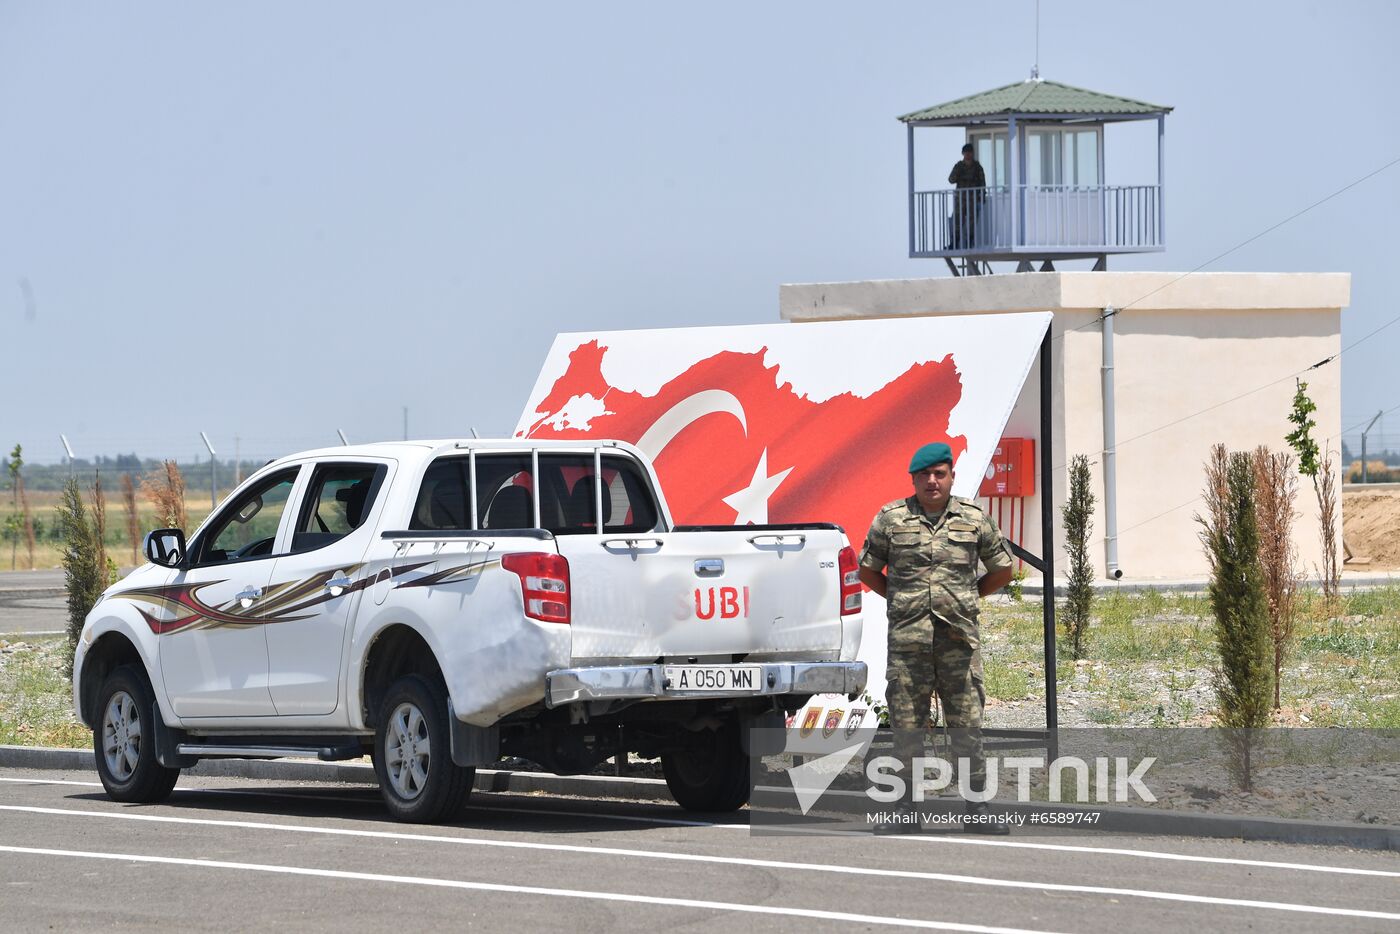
pixel 849 569
pixel 544 584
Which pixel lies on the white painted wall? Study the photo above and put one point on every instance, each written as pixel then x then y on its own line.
pixel 1200 359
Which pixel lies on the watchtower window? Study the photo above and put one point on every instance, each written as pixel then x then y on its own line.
pixel 990 150
pixel 1062 156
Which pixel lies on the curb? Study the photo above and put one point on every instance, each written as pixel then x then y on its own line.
pixel 1113 820
pixel 299 770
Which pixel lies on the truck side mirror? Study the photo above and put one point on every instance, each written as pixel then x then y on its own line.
pixel 165 547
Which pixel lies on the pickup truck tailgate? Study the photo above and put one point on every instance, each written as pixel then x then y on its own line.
pixel 710 595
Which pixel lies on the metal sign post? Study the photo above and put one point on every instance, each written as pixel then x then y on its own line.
pixel 1047 540
pixel 213 488
pixel 69 451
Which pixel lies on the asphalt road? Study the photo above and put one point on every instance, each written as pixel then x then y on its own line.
pixel 32 602
pixel 229 853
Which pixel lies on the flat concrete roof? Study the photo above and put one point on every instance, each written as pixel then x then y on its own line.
pixel 1040 291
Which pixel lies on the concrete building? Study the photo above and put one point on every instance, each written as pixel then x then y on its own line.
pixel 1198 360
pixel 1182 362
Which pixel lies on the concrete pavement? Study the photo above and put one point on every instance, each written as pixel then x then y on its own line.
pixel 228 852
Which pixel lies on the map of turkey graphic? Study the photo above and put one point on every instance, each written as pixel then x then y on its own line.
pixel 733 446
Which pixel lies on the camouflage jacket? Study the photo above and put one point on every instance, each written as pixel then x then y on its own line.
pixel 931 564
pixel 967 175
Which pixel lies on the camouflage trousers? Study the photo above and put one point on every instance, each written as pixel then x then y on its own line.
pixel 951 666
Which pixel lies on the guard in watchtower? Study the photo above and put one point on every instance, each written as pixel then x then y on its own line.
pixel 967 176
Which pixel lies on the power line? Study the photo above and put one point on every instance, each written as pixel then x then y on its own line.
pixel 1362 423
pixel 1239 246
pixel 1194 499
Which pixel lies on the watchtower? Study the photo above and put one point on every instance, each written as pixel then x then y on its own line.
pixel 1041 147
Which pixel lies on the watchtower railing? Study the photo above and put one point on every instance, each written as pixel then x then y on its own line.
pixel 1054 218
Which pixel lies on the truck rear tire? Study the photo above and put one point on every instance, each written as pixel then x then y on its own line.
pixel 418 780
pixel 123 739
pixel 711 774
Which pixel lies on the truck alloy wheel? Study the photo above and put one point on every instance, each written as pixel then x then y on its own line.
pixel 124 740
pixel 412 754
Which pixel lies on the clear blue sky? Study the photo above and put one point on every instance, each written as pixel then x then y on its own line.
pixel 272 220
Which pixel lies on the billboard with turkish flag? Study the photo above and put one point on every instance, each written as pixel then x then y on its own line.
pixel 791 422
pixel 794 422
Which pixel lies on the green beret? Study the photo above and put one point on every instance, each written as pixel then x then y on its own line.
pixel 930 454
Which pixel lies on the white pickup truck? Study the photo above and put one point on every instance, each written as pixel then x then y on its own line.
pixel 440 605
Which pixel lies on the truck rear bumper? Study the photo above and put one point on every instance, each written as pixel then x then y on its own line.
pixel 629 682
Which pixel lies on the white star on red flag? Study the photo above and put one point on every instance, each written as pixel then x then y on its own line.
pixel 751 503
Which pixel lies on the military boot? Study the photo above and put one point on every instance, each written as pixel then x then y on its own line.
pixel 980 819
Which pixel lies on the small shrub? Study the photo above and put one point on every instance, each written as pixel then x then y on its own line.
pixel 1317 466
pixel 1016 590
pixel 1077 515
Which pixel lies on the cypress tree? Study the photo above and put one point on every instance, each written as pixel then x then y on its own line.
pixel 1244 673
pixel 83 576
pixel 1077 515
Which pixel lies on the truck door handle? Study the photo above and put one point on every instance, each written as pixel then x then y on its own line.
pixel 778 539
pixel 632 543
pixel 709 567
pixel 247 595
pixel 338 585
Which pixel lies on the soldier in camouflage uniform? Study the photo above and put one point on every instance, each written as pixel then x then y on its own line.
pixel 971 184
pixel 921 555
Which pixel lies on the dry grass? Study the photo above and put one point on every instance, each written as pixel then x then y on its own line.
pixel 1276 495
pixel 49 553
pixel 165 488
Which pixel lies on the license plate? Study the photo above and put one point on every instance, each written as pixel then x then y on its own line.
pixel 713 677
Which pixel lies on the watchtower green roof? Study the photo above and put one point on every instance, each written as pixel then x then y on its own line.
pixel 1035 97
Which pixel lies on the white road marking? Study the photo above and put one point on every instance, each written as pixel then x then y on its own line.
pixel 528 890
pixel 723 860
pixel 677 822
pixel 1156 854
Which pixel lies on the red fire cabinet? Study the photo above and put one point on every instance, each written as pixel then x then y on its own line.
pixel 1011 472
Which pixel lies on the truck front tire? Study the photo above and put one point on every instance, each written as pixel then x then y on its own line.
pixel 124 740
pixel 418 780
pixel 711 773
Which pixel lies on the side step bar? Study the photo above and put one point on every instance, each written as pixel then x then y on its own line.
pixel 324 753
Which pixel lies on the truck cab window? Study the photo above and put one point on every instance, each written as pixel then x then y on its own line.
pixel 247 527
pixel 337 501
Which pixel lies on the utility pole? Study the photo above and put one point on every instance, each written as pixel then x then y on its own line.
pixel 1365 475
pixel 213 488
pixel 69 451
